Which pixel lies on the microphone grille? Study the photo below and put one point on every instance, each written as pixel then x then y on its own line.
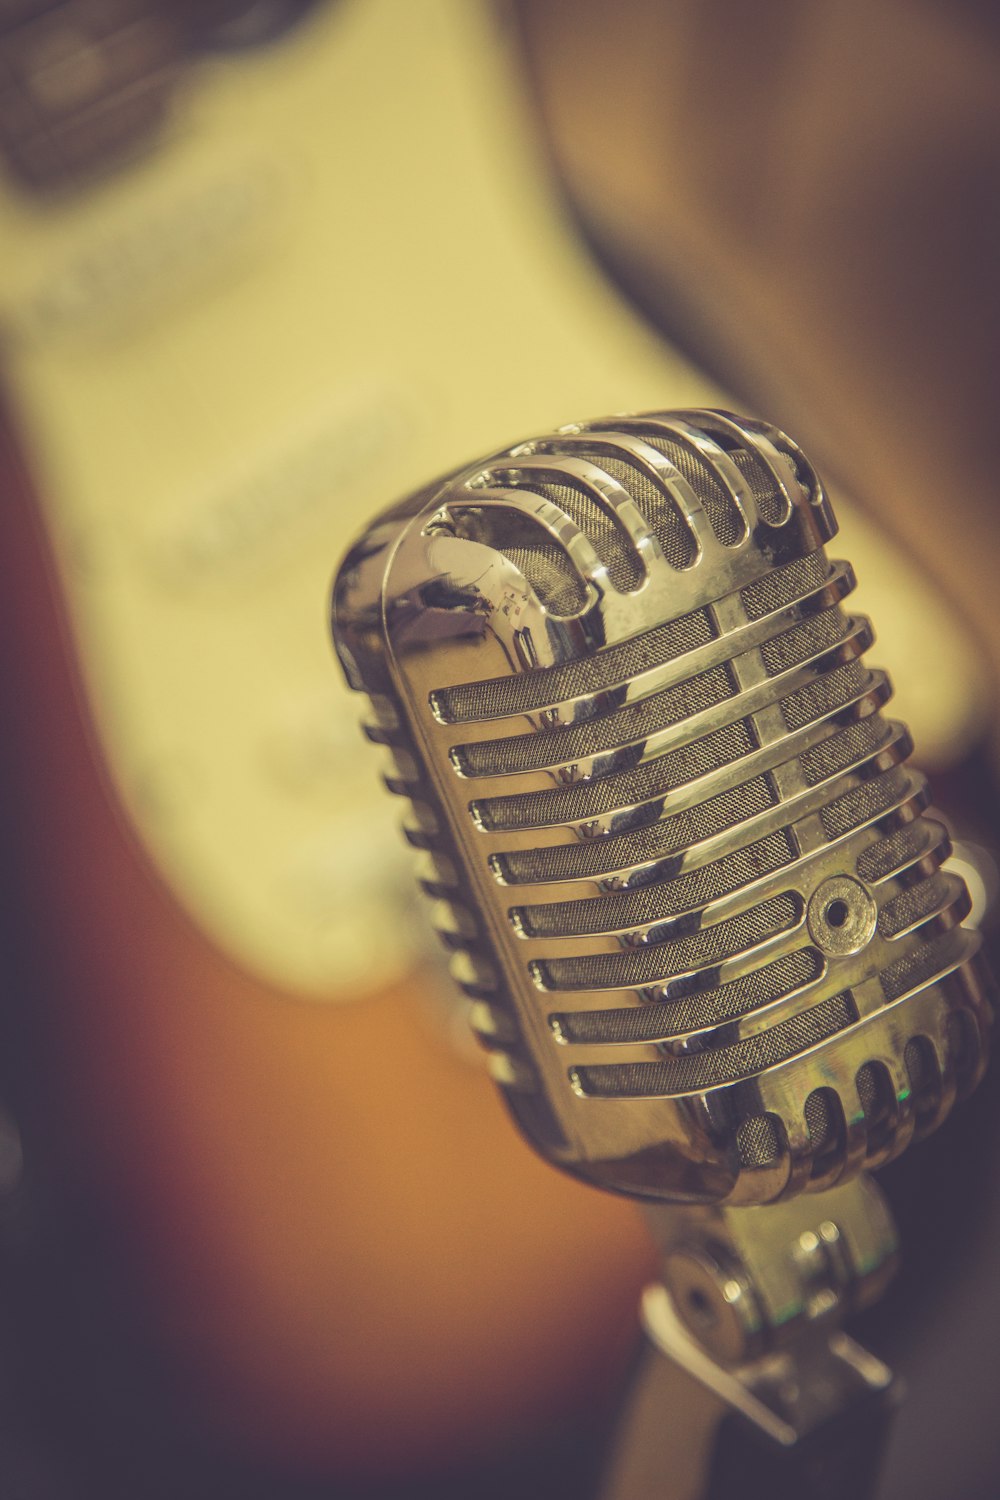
pixel 712 944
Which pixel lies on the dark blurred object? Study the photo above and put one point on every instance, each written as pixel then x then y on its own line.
pixel 86 84
pixel 804 195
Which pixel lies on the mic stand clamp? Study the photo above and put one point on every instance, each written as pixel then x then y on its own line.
pixel 751 1308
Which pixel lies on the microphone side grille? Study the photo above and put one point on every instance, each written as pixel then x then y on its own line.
pixel 623 789
pixel 915 903
pixel 610 541
pixel 691 1010
pixel 599 858
pixel 544 563
pixel 771 505
pixel 615 728
pixel 640 905
pixel 856 743
pixel 824 695
pixel 709 1069
pixel 610 667
pixel 921 965
pixel 864 803
pixel 657 505
pixel 723 516
pixel 784 585
pixel 657 962
pixel 913 841
pixel 611 793
pixel 803 641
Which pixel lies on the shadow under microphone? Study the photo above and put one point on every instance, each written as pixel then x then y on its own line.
pixel 712 943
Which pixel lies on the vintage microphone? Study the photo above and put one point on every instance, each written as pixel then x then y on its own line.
pixel 711 940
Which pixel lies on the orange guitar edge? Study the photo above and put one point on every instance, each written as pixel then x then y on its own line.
pixel 342 1247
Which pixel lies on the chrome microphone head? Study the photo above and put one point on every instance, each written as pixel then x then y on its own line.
pixel 711 945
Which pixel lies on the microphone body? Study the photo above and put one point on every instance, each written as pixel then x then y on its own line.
pixel 709 935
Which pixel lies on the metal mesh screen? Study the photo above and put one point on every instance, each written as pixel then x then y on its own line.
pixel 651 903
pixel 849 747
pixel 825 694
pixel 865 802
pixel 824 1119
pixel 499 697
pixel 702 1070
pixel 589 799
pixel 723 514
pixel 595 857
pixel 632 722
pixel 918 967
pixel 784 585
pixel 772 506
pixel 674 535
pixel 711 1007
pixel 908 843
pixel 610 540
pixel 878 1098
pixel 657 962
pixel 758 1140
pixel 916 903
pixel 804 640
pixel 543 562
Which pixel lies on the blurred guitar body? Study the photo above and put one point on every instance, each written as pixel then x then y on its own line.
pixel 322 270
pixel 329 1226
pixel 319 1218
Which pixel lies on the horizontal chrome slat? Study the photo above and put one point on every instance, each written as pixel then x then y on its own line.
pixel 544 688
pixel 517 809
pixel 601 488
pixel 689 853
pixel 527 919
pixel 959 947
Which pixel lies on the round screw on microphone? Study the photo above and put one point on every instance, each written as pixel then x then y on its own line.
pixel 841 916
pixel 716 950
